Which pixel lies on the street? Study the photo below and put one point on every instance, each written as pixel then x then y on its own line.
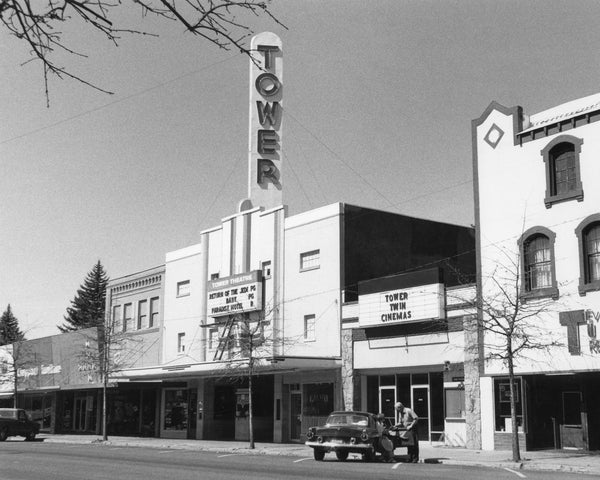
pixel 38 460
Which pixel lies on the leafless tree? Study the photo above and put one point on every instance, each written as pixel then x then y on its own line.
pixel 15 358
pixel 510 323
pixel 37 23
pixel 249 341
pixel 108 350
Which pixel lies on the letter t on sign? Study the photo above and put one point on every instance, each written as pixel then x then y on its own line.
pixel 572 320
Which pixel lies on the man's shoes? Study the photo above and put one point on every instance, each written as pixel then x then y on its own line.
pixel 415 460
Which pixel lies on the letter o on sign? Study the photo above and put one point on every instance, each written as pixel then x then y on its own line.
pixel 267 84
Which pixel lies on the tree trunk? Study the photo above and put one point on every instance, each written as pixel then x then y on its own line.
pixel 516 454
pixel 250 414
pixel 105 360
pixel 104 432
pixel 16 386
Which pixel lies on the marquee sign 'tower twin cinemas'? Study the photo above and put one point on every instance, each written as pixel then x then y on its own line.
pixel 266 93
pixel 401 298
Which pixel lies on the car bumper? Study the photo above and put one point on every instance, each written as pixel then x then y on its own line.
pixel 330 446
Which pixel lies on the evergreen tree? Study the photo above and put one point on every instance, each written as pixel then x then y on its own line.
pixel 87 308
pixel 9 328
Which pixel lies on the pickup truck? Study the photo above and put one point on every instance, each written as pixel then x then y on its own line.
pixel 15 422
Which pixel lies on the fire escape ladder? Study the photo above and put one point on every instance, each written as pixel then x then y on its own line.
pixel 224 339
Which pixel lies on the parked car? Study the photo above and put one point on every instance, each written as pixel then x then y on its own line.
pixel 15 422
pixel 344 433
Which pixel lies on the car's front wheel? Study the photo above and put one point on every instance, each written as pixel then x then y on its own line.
pixel 3 434
pixel 319 454
pixel 30 437
pixel 342 455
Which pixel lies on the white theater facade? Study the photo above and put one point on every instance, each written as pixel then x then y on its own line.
pixel 300 286
pixel 537 198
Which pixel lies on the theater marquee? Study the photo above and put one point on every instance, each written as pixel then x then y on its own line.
pixel 236 294
pixel 423 302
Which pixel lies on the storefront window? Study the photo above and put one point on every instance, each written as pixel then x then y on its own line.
pixel 224 404
pixel 318 399
pixel 502 404
pixel 176 409
pixel 124 412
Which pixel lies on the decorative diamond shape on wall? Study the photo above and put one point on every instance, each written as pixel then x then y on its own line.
pixel 494 135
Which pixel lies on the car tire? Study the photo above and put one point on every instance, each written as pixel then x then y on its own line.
pixel 318 454
pixel 342 455
pixel 30 437
pixel 368 456
pixel 3 434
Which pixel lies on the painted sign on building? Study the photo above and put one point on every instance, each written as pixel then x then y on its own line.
pixel 266 93
pixel 236 294
pixel 402 298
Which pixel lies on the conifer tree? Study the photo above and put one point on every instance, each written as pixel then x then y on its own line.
pixel 9 328
pixel 87 307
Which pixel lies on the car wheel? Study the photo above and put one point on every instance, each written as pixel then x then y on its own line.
pixel 30 437
pixel 342 455
pixel 3 434
pixel 319 454
pixel 368 456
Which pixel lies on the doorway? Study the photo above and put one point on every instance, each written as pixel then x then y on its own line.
pixel 83 413
pixel 571 428
pixel 420 405
pixel 295 415
pixel 387 400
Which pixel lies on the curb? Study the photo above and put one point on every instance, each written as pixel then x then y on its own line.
pixel 518 466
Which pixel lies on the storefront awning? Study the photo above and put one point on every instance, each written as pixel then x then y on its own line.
pixel 262 366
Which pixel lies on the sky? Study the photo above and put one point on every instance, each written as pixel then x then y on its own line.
pixel 378 101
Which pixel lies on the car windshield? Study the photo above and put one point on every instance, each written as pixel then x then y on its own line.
pixel 348 419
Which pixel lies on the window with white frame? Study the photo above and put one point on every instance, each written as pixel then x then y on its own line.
pixel 213 338
pixel 116 317
pixel 142 318
pixel 154 312
pixel 310 260
pixel 183 288
pixel 180 342
pixel 309 328
pixel 127 316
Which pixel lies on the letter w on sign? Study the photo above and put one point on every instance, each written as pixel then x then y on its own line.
pixel 268 113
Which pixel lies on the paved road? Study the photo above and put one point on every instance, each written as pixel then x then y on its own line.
pixel 37 460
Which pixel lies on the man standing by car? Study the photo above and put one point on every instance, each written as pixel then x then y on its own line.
pixel 408 419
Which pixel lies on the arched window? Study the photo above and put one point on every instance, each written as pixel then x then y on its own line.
pixel 592 252
pixel 563 180
pixel 538 269
pixel 588 234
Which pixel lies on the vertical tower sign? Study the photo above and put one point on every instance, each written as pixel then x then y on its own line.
pixel 266 88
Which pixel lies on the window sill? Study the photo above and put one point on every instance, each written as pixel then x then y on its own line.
pixel 307 269
pixel 141 331
pixel 564 197
pixel 589 287
pixel 183 295
pixel 548 292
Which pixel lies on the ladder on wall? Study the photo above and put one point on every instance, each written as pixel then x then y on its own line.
pixel 225 339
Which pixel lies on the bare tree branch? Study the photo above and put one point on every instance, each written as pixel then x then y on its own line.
pixel 35 23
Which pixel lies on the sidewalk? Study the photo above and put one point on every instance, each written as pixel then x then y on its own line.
pixel 549 460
